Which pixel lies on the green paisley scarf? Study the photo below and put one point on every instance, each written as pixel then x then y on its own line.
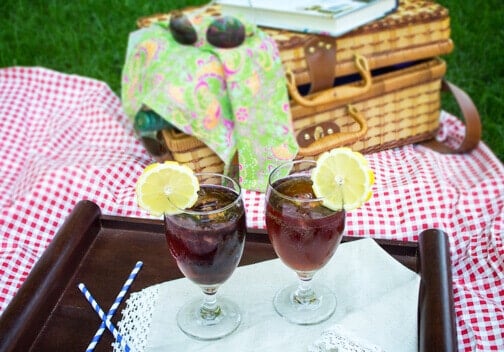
pixel 234 100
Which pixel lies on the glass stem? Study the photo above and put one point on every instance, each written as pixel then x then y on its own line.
pixel 304 293
pixel 210 309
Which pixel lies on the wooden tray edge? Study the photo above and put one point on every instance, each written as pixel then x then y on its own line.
pixel 25 315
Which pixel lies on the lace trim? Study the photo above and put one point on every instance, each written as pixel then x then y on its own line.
pixel 337 339
pixel 136 319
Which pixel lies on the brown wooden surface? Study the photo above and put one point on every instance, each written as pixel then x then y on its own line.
pixel 50 314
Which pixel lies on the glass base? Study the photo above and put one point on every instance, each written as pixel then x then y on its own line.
pixel 193 324
pixel 316 310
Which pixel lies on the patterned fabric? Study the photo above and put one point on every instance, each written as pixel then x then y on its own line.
pixel 232 99
pixel 65 138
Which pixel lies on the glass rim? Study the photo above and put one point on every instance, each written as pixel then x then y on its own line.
pixel 237 189
pixel 280 194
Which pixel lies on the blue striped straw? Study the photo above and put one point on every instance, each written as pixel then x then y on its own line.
pixel 103 317
pixel 115 305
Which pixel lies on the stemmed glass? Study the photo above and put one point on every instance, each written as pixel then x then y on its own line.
pixel 305 235
pixel 207 243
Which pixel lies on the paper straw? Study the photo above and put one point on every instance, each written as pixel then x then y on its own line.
pixel 103 317
pixel 96 338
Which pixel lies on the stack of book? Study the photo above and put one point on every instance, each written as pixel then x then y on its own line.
pixel 329 17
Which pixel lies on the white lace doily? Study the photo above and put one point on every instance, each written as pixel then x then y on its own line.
pixel 136 319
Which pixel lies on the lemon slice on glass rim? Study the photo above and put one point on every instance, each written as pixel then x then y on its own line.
pixel 343 179
pixel 166 188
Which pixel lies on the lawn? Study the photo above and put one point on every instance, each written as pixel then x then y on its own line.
pixel 89 38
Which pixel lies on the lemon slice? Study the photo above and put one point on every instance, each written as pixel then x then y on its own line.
pixel 343 179
pixel 166 188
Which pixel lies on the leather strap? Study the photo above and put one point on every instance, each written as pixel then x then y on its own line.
pixel 320 55
pixel 472 122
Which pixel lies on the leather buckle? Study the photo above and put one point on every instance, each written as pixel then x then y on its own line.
pixel 307 136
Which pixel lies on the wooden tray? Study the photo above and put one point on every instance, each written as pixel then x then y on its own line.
pixel 50 314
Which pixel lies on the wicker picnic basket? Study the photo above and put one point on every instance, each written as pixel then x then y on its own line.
pixel 375 88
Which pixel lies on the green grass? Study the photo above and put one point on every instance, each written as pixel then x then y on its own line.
pixel 477 63
pixel 89 38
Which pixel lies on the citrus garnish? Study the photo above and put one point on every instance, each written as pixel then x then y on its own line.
pixel 166 188
pixel 343 179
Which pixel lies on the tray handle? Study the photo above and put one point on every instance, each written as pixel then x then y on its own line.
pixel 436 326
pixel 327 142
pixel 48 279
pixel 334 94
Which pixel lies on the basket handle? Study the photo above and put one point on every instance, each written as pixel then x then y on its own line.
pixel 472 120
pixel 333 94
pixel 327 142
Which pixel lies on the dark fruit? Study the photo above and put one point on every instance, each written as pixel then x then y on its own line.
pixel 226 32
pixel 182 29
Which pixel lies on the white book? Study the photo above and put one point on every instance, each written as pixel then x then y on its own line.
pixel 330 17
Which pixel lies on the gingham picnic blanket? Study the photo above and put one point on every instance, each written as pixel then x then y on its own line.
pixel 65 138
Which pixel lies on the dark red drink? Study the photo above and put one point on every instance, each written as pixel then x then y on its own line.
pixel 304 234
pixel 206 242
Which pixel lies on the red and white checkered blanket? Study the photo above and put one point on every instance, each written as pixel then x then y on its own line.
pixel 64 138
